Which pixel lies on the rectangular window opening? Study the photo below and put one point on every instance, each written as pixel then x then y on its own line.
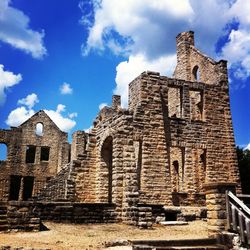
pixel 15 184
pixel 28 183
pixel 174 102
pixel 30 154
pixel 196 105
pixel 44 153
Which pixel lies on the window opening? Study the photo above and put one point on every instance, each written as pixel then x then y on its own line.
pixel 39 129
pixel 196 73
pixel 28 183
pixel 199 161
pixel 44 154
pixel 138 158
pixel 174 102
pixel 106 153
pixel 176 166
pixel 3 152
pixel 177 157
pixel 15 184
pixel 196 105
pixel 30 154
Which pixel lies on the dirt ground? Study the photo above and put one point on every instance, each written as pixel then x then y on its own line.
pixel 71 236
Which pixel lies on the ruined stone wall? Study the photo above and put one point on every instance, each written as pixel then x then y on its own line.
pixel 62 185
pixel 187 149
pixel 192 65
pixel 36 151
pixel 28 216
pixel 149 129
pixel 12 139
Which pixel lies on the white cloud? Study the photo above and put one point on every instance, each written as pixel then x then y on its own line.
pixel 14 30
pixel 29 100
pixel 144 31
pixel 138 24
pixel 23 113
pixel 73 115
pixel 66 89
pixel 7 80
pixel 60 108
pixel 18 116
pixel 102 105
pixel 64 123
pixel 237 50
pixel 247 147
pixel 147 28
pixel 128 70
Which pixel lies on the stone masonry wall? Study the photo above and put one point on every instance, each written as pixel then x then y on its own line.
pixel 28 216
pixel 37 150
pixel 61 186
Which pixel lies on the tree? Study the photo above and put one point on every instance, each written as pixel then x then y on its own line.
pixel 244 167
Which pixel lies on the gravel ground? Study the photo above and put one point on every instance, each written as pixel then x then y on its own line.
pixel 92 236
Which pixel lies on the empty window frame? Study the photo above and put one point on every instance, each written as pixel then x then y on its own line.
pixel 28 183
pixel 174 102
pixel 196 105
pixel 177 159
pixel 30 154
pixel 39 129
pixel 199 161
pixel 3 152
pixel 15 184
pixel 196 73
pixel 44 156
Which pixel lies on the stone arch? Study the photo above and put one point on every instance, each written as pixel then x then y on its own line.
pixel 106 170
pixel 3 151
pixel 39 129
pixel 196 73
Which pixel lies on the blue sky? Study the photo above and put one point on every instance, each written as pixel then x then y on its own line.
pixel 69 57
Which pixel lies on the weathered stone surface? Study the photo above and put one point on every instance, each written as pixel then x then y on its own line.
pixel 175 136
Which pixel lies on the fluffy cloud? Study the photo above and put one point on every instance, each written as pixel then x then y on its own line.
pixel 64 123
pixel 147 21
pixel 128 70
pixel 23 113
pixel 237 49
pixel 73 115
pixel 29 100
pixel 65 89
pixel 14 30
pixel 7 80
pixel 146 29
pixel 18 116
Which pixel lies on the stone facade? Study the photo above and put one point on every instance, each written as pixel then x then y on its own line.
pixel 37 150
pixel 175 136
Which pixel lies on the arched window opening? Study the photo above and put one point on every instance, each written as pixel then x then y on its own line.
pixel 39 129
pixel 3 152
pixel 196 73
pixel 106 168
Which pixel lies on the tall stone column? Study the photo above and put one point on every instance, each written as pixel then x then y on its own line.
pixel 216 206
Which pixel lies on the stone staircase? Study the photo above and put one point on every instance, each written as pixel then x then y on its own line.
pixel 196 244
pixel 3 217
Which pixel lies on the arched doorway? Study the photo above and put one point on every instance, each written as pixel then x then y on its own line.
pixel 106 169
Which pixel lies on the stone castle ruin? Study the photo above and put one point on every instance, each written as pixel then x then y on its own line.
pixel 149 162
